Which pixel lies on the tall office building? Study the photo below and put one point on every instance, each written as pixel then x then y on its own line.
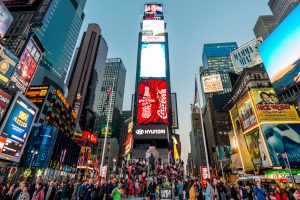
pixel 114 73
pixel 85 76
pixel 281 8
pixel 264 25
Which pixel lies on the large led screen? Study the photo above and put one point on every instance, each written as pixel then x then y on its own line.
pixel 26 66
pixel 280 52
pixel 281 139
pixel 153 60
pixel 153 31
pixel 5 19
pixel 4 103
pixel 152 102
pixel 16 128
pixel 153 11
pixel 8 61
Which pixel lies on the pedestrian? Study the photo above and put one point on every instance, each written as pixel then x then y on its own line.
pixel 51 191
pixel 88 190
pixel 9 194
pixel 152 189
pixel 259 192
pixel 39 192
pixel 209 191
pixel 192 192
pixel 180 189
pixel 234 192
pixel 109 189
pixel 280 194
pixel 98 191
pixel 117 192
pixel 18 190
pixel 243 193
pixel 24 195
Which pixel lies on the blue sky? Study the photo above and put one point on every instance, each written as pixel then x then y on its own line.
pixel 190 24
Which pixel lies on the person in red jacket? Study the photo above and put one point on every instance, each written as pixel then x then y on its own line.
pixel 280 194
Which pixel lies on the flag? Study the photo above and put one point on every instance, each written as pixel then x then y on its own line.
pixel 108 92
pixel 196 96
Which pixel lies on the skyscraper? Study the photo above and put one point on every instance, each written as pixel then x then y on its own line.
pixel 114 73
pixel 264 25
pixel 85 76
pixel 281 8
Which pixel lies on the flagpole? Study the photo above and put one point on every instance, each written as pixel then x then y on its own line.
pixel 203 132
pixel 106 129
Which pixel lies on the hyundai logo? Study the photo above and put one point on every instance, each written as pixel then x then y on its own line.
pixel 139 132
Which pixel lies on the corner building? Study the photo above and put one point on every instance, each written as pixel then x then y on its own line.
pixel 152 102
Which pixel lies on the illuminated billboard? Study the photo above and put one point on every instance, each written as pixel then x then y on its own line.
pixel 4 103
pixel 89 136
pixel 129 139
pixel 281 139
pixel 27 65
pixel 152 102
pixel 153 60
pixel 151 132
pixel 246 112
pixel 16 128
pixel 268 107
pixel 212 83
pixel 280 52
pixel 8 61
pixel 246 55
pixel 153 31
pixel 37 95
pixel 153 11
pixel 103 130
pixel 5 19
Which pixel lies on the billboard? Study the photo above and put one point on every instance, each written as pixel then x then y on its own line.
pixel 153 60
pixel 27 65
pixel 153 31
pixel 212 83
pixel 153 11
pixel 281 139
pixel 129 139
pixel 103 130
pixel 256 148
pixel 84 157
pixel 89 136
pixel 40 13
pixel 8 61
pixel 152 102
pixel 16 128
pixel 37 95
pixel 268 108
pixel 5 19
pixel 4 103
pixel 280 52
pixel 246 55
pixel 150 132
pixel 246 112
pixel 175 124
pixel 242 147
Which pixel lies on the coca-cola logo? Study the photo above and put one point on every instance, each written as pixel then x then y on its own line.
pixel 162 99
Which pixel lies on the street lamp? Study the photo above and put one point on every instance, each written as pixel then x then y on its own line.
pixel 287 165
pixel 33 152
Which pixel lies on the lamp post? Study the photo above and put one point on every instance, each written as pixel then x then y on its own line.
pixel 287 165
pixel 33 152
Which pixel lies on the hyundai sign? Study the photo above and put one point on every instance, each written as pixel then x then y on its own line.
pixel 151 132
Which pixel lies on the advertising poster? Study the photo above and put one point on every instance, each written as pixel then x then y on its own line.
pixel 281 139
pixel 37 95
pixel 89 136
pixel 26 66
pixel 4 103
pixel 212 83
pixel 153 31
pixel 129 139
pixel 280 52
pixel 175 124
pixel 268 107
pixel 153 12
pixel 152 102
pixel 153 60
pixel 242 147
pixel 103 130
pixel 246 112
pixel 5 19
pixel 247 55
pixel 8 61
pixel 85 156
pixel 151 132
pixel 16 127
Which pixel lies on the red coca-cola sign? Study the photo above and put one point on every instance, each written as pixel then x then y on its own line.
pixel 152 102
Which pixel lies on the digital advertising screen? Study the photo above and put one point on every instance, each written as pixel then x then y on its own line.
pixel 241 142
pixel 280 52
pixel 37 95
pixel 281 139
pixel 5 19
pixel 26 66
pixel 16 128
pixel 8 61
pixel 268 108
pixel 4 103
pixel 89 136
pixel 151 132
pixel 246 112
pixel 153 31
pixel 212 83
pixel 246 55
pixel 153 11
pixel 152 102
pixel 153 60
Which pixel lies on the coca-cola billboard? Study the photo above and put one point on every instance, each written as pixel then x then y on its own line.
pixel 152 102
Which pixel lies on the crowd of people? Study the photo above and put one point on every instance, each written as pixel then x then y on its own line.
pixel 147 179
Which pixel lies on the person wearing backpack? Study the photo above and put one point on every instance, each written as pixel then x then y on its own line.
pixel 259 193
pixel 243 193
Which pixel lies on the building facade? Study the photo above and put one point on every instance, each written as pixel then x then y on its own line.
pixel 281 8
pixel 264 25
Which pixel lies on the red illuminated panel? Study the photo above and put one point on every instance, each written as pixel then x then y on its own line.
pixel 89 136
pixel 152 102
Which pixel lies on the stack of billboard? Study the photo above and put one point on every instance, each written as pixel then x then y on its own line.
pixel 264 129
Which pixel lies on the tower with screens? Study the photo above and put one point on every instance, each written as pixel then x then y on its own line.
pixel 152 108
